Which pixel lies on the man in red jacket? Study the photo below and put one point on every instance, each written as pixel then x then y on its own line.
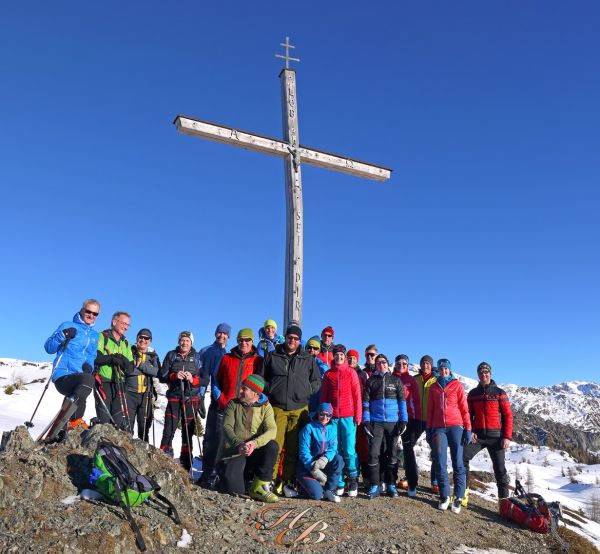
pixel 341 388
pixel 492 422
pixel 326 354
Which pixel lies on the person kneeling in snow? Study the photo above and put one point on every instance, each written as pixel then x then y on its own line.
pixel 321 465
pixel 248 448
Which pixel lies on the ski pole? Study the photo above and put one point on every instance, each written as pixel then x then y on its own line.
pixel 103 404
pixel 29 423
pixel 122 401
pixel 185 426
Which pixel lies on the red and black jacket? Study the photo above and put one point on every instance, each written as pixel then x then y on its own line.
pixel 489 409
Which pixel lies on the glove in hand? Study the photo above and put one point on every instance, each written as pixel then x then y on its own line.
pixel 466 437
pixel 320 463
pixel 87 368
pixel 70 332
pixel 319 476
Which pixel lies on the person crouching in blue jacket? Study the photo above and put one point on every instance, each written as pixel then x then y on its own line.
pixel 320 464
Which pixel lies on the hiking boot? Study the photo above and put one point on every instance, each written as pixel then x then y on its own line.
pixel 412 493
pixel 184 460
pixel 444 503
pixel 77 423
pixel 339 491
pixel 278 487
pixel 435 488
pixel 168 450
pixel 465 500
pixel 403 483
pixel 331 496
pixel 289 490
pixel 456 505
pixel 209 481
pixel 382 487
pixel 353 487
pixel 261 490
pixel 392 491
pixel 374 491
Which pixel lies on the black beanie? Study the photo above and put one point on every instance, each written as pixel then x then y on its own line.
pixel 426 358
pixel 294 330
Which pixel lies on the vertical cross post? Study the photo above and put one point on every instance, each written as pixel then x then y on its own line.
pixel 294 236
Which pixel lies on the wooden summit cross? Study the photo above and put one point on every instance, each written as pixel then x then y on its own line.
pixel 294 154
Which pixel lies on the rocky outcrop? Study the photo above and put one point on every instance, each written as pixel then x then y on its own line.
pixel 40 511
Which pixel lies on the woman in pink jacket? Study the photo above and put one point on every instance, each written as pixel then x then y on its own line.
pixel 448 425
pixel 341 387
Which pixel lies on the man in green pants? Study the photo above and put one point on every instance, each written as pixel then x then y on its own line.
pixel 293 376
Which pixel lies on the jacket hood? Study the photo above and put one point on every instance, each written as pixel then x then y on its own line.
pixel 443 381
pixel 262 400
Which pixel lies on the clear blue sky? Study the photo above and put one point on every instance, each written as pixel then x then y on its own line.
pixel 483 245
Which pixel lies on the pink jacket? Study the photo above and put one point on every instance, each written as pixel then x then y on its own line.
pixel 341 387
pixel 447 406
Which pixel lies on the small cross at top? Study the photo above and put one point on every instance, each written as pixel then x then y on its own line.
pixel 287 57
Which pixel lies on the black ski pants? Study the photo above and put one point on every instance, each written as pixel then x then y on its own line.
pixel 496 453
pixel 139 407
pixel 258 465
pixel 409 440
pixel 212 437
pixel 76 385
pixel 186 410
pixel 383 434
pixel 115 404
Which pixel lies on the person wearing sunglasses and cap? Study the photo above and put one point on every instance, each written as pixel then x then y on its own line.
pixel 292 376
pixel 371 352
pixel 313 347
pixel 75 344
pixel 320 465
pixel 492 421
pixel 139 385
pixel 326 353
pixel 413 429
pixel 384 420
pixel 182 371
pixel 448 426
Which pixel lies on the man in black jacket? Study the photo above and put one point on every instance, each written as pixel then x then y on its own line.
pixel 293 376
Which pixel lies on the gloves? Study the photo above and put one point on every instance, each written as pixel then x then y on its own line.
pixel 201 408
pixel 87 368
pixel 368 428
pixel 319 476
pixel 466 437
pixel 400 428
pixel 320 463
pixel 120 360
pixel 69 333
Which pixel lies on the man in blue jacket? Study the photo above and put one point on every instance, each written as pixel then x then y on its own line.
pixel 75 344
pixel 211 357
pixel 320 464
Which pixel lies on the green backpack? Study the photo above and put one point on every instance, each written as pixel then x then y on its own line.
pixel 120 482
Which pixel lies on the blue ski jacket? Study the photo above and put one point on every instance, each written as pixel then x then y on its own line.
pixel 383 399
pixel 211 357
pixel 82 348
pixel 317 440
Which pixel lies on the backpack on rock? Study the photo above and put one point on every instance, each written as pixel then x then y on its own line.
pixel 119 482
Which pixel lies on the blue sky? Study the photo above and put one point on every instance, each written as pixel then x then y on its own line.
pixel 483 245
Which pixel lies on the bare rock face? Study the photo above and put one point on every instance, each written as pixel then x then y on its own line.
pixel 40 511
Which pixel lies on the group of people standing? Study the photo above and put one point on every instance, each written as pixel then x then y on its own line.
pixel 287 416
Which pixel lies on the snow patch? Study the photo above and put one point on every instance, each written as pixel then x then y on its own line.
pixel 186 539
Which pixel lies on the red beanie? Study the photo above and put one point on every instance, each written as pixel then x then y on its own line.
pixel 353 353
pixel 328 330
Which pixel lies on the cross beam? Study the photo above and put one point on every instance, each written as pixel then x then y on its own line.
pixel 274 147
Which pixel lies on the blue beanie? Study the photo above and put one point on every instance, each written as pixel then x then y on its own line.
pixel 223 328
pixel 444 363
pixel 325 407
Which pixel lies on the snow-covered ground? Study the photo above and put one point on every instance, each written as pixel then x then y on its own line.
pixel 553 474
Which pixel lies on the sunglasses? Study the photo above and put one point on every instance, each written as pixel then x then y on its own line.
pixel 313 348
pixel 245 339
pixel 483 371
pixel 292 337
pixel 381 362
pixel 324 414
pixel 327 335
pixel 90 312
pixel 371 354
pixel 143 337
